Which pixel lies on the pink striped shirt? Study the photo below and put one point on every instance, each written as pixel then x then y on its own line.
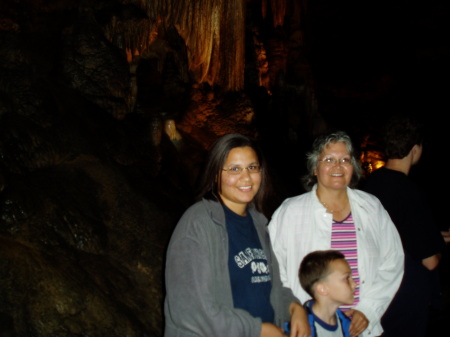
pixel 343 238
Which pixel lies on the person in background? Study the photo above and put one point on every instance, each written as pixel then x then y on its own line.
pixel 326 276
pixel 221 277
pixel 422 242
pixel 446 235
pixel 335 215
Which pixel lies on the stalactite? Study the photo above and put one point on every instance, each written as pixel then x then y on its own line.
pixel 197 22
pixel 264 8
pixel 210 29
pixel 278 11
pixel 213 31
pixel 232 44
pixel 133 35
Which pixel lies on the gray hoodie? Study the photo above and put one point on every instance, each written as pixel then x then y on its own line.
pixel 199 299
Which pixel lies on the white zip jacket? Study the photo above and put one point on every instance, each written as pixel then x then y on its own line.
pixel 301 225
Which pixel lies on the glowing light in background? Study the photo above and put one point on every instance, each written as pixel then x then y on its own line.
pixel 371 158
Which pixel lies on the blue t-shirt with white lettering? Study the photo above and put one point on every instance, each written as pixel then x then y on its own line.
pixel 249 271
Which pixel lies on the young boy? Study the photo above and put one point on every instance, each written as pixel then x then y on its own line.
pixel 326 276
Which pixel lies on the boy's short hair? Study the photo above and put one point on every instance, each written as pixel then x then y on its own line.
pixel 315 267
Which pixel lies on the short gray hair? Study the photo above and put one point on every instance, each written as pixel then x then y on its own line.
pixel 319 145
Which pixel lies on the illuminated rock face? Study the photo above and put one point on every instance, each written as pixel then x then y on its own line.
pixel 106 110
pixel 105 116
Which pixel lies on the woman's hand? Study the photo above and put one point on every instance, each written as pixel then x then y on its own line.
pixel 299 321
pixel 359 322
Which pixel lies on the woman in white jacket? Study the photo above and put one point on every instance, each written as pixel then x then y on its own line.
pixel 334 215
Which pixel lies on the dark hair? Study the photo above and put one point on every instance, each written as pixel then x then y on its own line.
pixel 315 267
pixel 319 145
pixel 400 134
pixel 210 188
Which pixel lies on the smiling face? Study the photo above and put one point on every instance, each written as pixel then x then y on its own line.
pixel 237 190
pixel 334 175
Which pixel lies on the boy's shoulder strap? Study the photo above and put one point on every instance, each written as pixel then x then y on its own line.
pixel 345 323
pixel 308 305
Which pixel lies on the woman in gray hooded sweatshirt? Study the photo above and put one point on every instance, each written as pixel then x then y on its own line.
pixel 222 278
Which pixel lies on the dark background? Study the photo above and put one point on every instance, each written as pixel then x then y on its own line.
pixel 376 58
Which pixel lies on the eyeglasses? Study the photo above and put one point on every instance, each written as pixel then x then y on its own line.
pixel 333 161
pixel 235 170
